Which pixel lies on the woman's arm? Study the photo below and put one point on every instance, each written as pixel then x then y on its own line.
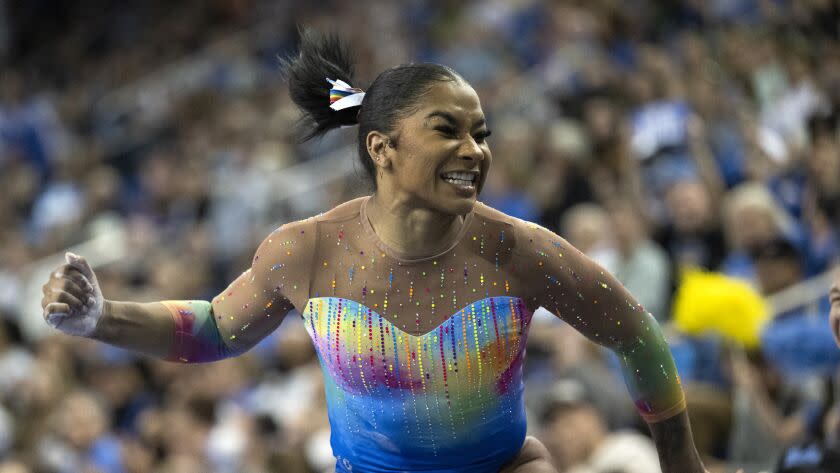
pixel 146 328
pixel 189 331
pixel 566 282
pixel 675 445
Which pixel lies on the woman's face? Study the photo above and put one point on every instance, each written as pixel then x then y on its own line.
pixel 445 134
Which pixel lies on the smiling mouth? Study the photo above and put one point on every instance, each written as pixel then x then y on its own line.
pixel 465 180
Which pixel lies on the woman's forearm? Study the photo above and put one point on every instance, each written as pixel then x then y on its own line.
pixel 182 331
pixel 147 327
pixel 675 445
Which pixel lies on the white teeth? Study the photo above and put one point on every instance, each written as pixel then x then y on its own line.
pixel 463 176
pixel 459 182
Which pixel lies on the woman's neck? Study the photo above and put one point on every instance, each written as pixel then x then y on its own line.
pixel 413 231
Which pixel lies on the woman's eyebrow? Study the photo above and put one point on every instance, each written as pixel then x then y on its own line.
pixel 449 118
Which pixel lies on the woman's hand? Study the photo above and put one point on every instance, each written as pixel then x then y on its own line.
pixel 533 457
pixel 72 299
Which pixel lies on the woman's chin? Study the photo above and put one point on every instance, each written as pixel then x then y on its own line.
pixel 461 206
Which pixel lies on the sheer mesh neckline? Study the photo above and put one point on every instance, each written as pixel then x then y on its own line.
pixel 402 256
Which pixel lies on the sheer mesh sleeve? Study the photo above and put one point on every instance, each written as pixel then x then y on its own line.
pixel 253 305
pixel 566 282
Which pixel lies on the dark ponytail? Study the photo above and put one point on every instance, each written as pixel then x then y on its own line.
pixel 394 94
pixel 321 56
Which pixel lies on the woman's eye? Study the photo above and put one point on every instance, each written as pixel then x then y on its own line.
pixel 482 135
pixel 450 131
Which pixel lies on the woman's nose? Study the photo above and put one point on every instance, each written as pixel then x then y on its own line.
pixel 471 149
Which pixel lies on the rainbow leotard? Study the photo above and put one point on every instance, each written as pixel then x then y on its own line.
pixel 422 357
pixel 452 396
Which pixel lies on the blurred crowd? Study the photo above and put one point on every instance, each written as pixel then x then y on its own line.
pixel 690 147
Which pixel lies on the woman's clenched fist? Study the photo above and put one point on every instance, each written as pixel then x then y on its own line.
pixel 72 299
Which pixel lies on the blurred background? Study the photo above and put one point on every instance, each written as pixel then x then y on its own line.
pixel 690 147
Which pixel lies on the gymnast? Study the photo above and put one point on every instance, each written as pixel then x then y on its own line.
pixel 418 299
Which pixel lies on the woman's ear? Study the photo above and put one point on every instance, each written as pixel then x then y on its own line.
pixel 379 146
